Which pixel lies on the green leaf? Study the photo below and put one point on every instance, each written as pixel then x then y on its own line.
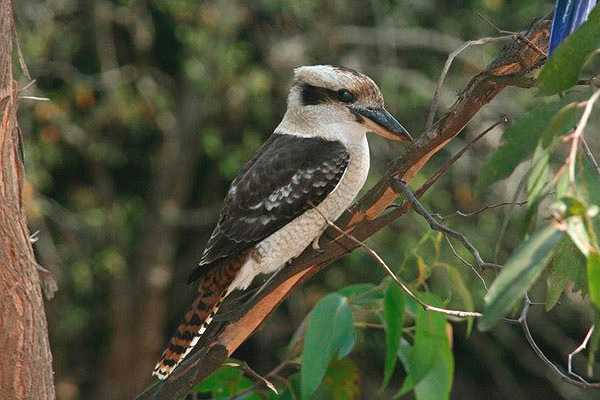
pixel 438 383
pixel 520 271
pixel 326 333
pixel 343 380
pixel 567 264
pixel 562 69
pixel 593 275
pixel 539 171
pixel 562 184
pixel 405 354
pixel 594 344
pixel 361 293
pixel 224 383
pixel 520 139
pixel 578 234
pixel 591 182
pixel 347 345
pixel 393 317
pixel 430 338
pixel 458 286
pixel 430 356
pixel 560 124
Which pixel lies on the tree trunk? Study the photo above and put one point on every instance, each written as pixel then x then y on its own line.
pixel 26 367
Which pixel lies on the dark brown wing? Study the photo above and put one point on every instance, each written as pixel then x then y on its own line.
pixel 287 176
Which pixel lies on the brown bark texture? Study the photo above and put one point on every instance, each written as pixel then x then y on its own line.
pixel 26 367
pixel 510 68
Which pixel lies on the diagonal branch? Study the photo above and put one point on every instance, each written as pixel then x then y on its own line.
pixel 515 61
pixel 442 228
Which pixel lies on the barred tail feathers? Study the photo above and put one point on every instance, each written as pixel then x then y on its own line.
pixel 212 290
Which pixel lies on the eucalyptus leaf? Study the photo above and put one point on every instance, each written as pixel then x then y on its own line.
pixel 518 274
pixel 521 138
pixel 438 382
pixel 593 275
pixel 458 287
pixel 393 317
pixel 430 339
pixel 562 69
pixel 560 124
pixel 361 293
pixel 567 264
pixel 224 383
pixel 327 331
pixel 594 343
pixel 539 171
pixel 429 361
pixel 591 182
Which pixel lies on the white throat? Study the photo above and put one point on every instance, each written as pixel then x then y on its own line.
pixel 349 133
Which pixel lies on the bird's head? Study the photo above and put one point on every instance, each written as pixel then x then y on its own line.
pixel 323 95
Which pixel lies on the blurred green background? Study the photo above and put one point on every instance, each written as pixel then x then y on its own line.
pixel 155 105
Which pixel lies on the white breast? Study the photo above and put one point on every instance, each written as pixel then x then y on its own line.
pixel 288 242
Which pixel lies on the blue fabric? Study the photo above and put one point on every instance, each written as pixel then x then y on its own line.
pixel 568 15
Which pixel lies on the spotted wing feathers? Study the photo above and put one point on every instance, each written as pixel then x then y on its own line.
pixel 287 176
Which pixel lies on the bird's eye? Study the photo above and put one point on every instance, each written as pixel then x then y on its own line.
pixel 345 96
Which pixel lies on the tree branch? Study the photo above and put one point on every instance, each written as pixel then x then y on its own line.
pixel 365 218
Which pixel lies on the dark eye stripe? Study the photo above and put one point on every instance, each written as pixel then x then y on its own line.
pixel 313 95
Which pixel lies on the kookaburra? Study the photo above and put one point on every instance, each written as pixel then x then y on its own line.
pixel 317 157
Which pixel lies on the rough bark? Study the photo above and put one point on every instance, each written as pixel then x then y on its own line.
pixel 364 219
pixel 26 367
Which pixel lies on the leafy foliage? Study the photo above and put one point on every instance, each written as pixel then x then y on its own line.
pixel 521 138
pixel 520 271
pixel 156 104
pixel 393 313
pixel 567 265
pixel 562 70
pixel 593 271
pixel 329 328
pixel 429 361
pixel 224 383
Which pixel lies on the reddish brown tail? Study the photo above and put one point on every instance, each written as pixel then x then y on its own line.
pixel 211 292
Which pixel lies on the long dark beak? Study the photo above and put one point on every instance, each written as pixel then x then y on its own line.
pixel 380 121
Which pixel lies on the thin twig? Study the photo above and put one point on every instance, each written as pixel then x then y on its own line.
pixel 517 35
pixel 467 263
pixel 27 86
pixel 20 55
pixel 34 98
pixel 368 325
pixel 518 192
pixel 578 350
pixel 578 134
pixel 593 81
pixel 523 321
pixel 274 374
pixel 482 209
pixel 436 94
pixel 590 156
pixel 418 207
pixel 435 177
pixel 249 371
pixel 402 285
